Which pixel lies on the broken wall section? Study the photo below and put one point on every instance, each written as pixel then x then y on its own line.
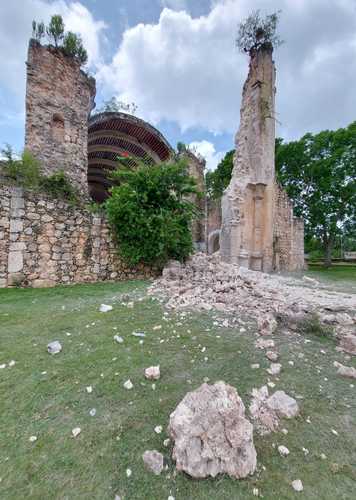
pixel 288 235
pixel 59 98
pixel 45 242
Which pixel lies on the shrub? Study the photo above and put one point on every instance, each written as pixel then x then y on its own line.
pixel 256 33
pixel 312 326
pixel 25 170
pixel 68 42
pixel 59 186
pixel 150 213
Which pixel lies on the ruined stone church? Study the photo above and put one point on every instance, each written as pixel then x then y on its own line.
pixel 44 241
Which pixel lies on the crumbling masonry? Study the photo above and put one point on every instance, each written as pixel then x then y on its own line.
pixel 258 228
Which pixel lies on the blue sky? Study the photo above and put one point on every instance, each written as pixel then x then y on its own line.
pixel 177 61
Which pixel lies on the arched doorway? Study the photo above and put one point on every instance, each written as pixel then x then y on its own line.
pixel 214 241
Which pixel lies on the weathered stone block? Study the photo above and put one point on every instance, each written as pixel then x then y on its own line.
pixel 16 226
pixel 15 262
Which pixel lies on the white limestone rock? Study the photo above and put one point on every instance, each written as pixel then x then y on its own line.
pixel 266 410
pixel 105 308
pixel 274 369
pixel 297 485
pixel 283 405
pixel 345 371
pixel 153 373
pixel 283 451
pixel 272 355
pixel 211 433
pixel 54 347
pixel 267 324
pixel 153 461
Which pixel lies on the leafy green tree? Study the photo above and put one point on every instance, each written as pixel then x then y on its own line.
pixel 38 30
pixel 219 179
pixel 151 214
pixel 113 105
pixel 24 170
pixel 256 32
pixel 55 29
pixel 73 46
pixel 319 174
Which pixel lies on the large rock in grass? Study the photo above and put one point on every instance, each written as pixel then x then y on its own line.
pixel 211 434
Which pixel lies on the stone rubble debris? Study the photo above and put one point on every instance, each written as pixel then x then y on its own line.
pixel 266 411
pixel 76 431
pixel 153 461
pixel 205 282
pixel 297 485
pixel 274 369
pixel 54 347
pixel 272 355
pixel 283 451
pixel 153 373
pixel 345 371
pixel 105 308
pixel 211 433
pixel 128 385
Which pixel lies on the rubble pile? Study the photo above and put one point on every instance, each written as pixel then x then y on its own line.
pixel 205 282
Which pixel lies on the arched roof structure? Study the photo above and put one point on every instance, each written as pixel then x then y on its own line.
pixel 113 134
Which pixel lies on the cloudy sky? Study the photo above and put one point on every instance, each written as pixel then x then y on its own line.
pixel 176 59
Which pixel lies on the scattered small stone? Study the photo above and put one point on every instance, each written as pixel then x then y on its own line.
pixel 153 461
pixel 76 431
pixel 138 334
pixel 118 339
pixel 334 432
pixel 153 373
pixel 345 371
pixel 255 492
pixel 264 343
pixel 274 369
pixel 92 412
pixel 255 366
pixel 89 389
pixel 128 385
pixel 272 356
pixel 54 347
pixel 12 363
pixel 128 472
pixel 297 485
pixel 105 308
pixel 32 439
pixel 166 442
pixel 291 363
pixel 305 451
pixel 323 456
pixel 158 429
pixel 283 451
pixel 157 327
pixel 2 366
pixel 284 431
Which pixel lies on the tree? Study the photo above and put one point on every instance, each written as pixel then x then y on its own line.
pixel 151 214
pixel 319 174
pixel 68 42
pixel 256 33
pixel 73 46
pixel 219 179
pixel 55 30
pixel 113 105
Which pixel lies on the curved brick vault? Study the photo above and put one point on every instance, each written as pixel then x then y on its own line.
pixel 114 134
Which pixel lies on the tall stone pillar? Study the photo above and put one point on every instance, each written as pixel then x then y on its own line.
pixel 59 98
pixel 247 203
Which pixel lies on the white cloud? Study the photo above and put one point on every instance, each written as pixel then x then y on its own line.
pixel 207 150
pixel 15 31
pixel 174 4
pixel 187 69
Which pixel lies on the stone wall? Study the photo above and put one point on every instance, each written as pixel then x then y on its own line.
pixel 45 241
pixel 59 98
pixel 288 236
pixel 213 224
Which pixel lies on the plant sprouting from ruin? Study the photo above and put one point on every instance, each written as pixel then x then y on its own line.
pixel 73 46
pixel 55 30
pixel 113 105
pixel 257 32
pixel 38 30
pixel 68 42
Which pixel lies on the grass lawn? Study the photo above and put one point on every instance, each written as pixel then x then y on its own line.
pixel 45 396
pixel 340 277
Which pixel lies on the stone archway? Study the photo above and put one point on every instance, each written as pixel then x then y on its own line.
pixel 214 241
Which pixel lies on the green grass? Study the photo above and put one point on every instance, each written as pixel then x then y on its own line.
pixel 93 465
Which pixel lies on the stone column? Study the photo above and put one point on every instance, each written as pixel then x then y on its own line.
pixel 253 168
pixel 15 262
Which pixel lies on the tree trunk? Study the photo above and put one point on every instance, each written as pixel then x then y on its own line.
pixel 328 248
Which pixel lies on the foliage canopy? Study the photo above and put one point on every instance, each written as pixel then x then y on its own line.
pixel 257 32
pixel 319 174
pixel 151 213
pixel 218 180
pixel 70 43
